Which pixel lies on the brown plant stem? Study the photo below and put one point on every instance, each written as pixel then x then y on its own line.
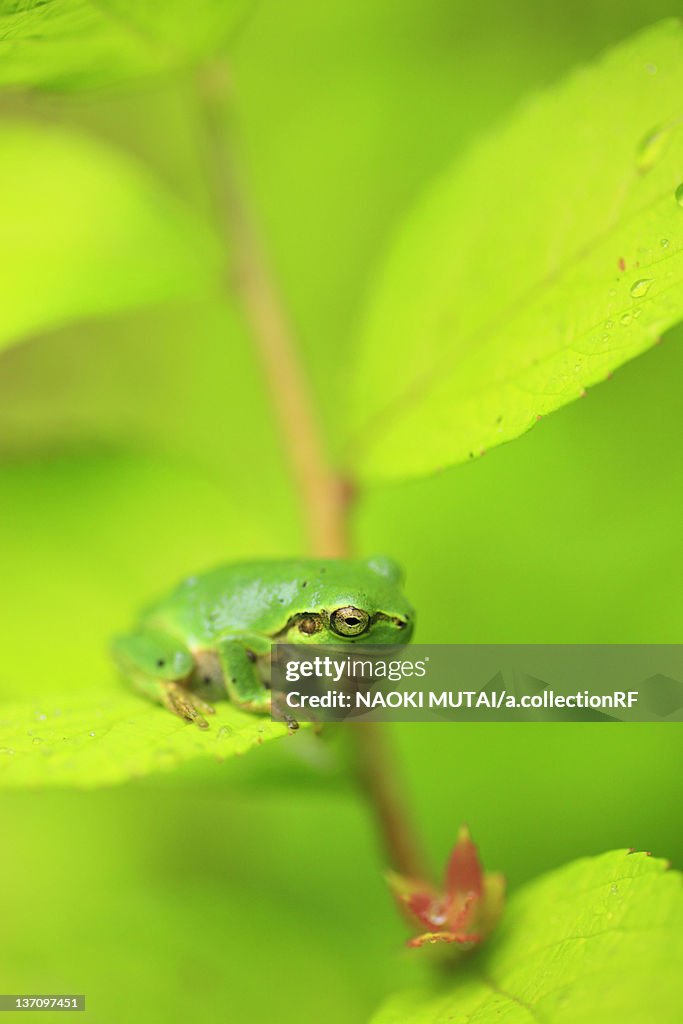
pixel 323 495
pixel 326 497
pixel 385 792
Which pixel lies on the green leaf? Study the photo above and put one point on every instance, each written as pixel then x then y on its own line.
pixel 67 44
pixel 598 940
pixel 550 256
pixel 110 739
pixel 86 232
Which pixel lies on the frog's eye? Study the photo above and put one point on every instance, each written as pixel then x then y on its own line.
pixel 349 621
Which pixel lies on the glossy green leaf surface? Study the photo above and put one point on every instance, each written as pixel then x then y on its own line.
pixel 598 940
pixel 531 270
pixel 97 742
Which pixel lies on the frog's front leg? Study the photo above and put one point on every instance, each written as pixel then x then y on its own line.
pixel 239 657
pixel 161 668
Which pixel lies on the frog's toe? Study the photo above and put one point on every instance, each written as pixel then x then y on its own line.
pixel 202 706
pixel 185 704
pixel 279 712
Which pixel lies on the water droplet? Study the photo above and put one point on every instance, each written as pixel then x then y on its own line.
pixel 636 314
pixel 651 148
pixel 641 287
pixel 92 733
pixel 37 739
pixel 609 324
pixel 679 195
pixel 664 243
pixel 224 732
pixel 651 69
pixel 6 750
pixel 577 367
pixel 614 889
pixel 625 319
pixel 40 716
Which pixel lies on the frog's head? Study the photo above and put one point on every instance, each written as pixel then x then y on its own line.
pixel 352 602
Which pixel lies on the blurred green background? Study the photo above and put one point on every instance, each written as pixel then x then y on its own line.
pixel 138 448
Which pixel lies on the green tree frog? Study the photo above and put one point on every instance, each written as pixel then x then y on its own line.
pixel 210 638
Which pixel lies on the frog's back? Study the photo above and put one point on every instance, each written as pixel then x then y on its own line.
pixel 247 596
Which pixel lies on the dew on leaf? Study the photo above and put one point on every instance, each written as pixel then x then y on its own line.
pixel 625 319
pixel 37 739
pixel 651 148
pixel 641 287
pixel 224 732
pixel 679 195
pixel 6 750
pixel 664 243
